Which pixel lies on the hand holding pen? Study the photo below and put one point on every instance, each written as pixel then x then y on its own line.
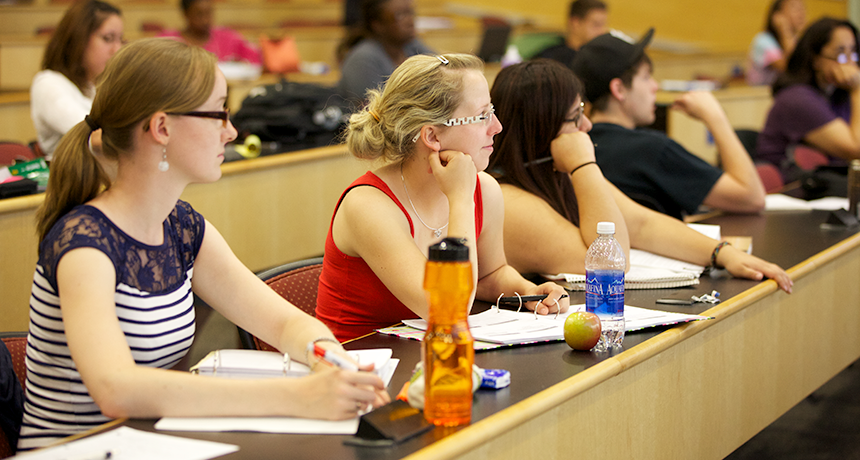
pixel 364 384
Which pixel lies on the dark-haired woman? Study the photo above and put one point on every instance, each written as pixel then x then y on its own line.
pixel 61 94
pixel 111 310
pixel 555 193
pixel 817 99
pixel 383 39
pixel 226 44
pixel 771 47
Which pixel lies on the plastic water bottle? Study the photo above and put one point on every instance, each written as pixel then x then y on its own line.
pixel 448 349
pixel 604 292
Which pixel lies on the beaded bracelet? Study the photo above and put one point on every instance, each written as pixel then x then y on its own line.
pixel 716 252
pixel 580 166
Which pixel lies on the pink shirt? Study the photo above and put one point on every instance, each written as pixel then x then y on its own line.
pixel 225 44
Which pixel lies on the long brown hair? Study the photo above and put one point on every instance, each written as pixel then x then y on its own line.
pixel 65 50
pixel 532 100
pixel 142 78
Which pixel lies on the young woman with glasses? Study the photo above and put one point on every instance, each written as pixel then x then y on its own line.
pixel 555 194
pixel 120 261
pixel 817 99
pixel 432 127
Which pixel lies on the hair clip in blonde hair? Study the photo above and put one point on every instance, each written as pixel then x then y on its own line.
pixel 442 59
pixel 374 115
pixel 415 139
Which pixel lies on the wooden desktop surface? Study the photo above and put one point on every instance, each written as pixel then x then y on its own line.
pixel 692 391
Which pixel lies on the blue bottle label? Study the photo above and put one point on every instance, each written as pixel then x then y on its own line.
pixel 604 293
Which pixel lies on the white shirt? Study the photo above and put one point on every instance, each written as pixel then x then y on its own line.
pixel 56 105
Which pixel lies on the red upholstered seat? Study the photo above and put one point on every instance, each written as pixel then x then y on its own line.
pixel 808 159
pixel 770 177
pixel 297 282
pixel 11 151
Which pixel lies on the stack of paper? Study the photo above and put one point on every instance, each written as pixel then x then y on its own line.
pixel 510 327
pixel 647 271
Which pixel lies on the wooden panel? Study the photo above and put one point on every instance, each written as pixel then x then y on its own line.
pixel 704 388
pixel 271 210
pixel 15 122
pixel 20 60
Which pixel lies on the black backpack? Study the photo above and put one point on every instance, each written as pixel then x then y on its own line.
pixel 295 115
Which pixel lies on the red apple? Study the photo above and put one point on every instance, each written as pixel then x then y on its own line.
pixel 582 330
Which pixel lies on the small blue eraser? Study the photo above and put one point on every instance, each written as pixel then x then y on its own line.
pixel 495 378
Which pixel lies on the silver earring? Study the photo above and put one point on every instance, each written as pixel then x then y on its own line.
pixel 163 165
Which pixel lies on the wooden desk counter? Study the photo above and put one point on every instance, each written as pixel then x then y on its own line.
pixel 271 210
pixel 698 390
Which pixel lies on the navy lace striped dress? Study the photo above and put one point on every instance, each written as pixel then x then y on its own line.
pixel 154 305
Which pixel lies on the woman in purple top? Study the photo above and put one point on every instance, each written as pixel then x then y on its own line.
pixel 817 99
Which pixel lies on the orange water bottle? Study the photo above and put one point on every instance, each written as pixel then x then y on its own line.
pixel 448 348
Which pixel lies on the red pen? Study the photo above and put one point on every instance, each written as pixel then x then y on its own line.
pixel 331 357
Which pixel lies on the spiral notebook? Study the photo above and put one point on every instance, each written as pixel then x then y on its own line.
pixel 647 271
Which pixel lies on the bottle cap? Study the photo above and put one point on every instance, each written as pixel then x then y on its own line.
pixel 606 228
pixel 450 250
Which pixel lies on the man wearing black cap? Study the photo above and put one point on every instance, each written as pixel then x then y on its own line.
pixel 645 164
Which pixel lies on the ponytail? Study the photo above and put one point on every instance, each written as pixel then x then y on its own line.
pixel 76 177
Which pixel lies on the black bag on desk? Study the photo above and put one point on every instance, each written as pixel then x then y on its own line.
pixel 295 115
pixel 18 188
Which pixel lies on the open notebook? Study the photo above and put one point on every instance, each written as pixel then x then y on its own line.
pixel 269 364
pixel 499 326
pixel 647 271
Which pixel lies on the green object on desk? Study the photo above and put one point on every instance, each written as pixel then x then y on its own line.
pixel 36 170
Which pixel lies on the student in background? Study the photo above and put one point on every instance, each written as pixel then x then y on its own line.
pixel 586 20
pixel 227 45
pixel 433 122
pixel 771 47
pixel 817 100
pixel 90 33
pixel 555 192
pixel 650 168
pixel 111 309
pixel 383 38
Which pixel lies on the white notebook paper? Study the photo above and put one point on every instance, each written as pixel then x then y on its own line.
pixel 509 327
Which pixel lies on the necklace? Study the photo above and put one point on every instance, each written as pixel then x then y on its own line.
pixel 437 232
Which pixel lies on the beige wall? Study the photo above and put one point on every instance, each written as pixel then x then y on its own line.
pixel 722 26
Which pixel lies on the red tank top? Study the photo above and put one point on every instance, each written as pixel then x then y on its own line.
pixel 351 300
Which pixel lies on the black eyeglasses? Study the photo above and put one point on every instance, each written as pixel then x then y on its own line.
pixel 223 115
pixel 578 117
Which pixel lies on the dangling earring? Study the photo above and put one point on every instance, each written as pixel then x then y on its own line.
pixel 163 165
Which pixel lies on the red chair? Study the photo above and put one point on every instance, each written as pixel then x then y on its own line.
pixel 298 282
pixel 770 177
pixel 16 342
pixel 808 159
pixel 12 151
